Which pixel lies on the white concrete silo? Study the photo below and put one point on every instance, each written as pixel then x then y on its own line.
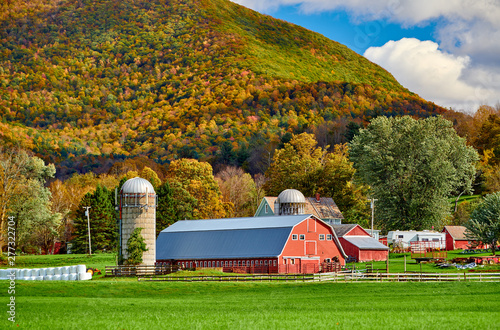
pixel 138 210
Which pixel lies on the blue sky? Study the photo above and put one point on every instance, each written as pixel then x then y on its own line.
pixel 447 51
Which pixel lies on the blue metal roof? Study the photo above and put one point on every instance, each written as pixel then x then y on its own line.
pixel 226 238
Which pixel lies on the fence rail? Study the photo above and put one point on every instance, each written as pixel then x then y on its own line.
pixel 349 276
pixel 141 270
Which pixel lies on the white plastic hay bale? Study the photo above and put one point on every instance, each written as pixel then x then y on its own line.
pixel 65 277
pixel 50 271
pixel 47 278
pixel 27 272
pixel 19 273
pixel 56 278
pixel 81 269
pixel 3 274
pixel 65 270
pixel 39 278
pixel 26 278
pixel 73 277
pixel 35 272
pixel 84 276
pixel 73 270
pixel 57 271
pixel 43 271
pixel 33 278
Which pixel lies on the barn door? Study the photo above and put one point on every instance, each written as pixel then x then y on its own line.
pixel 310 247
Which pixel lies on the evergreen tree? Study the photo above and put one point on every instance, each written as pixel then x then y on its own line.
pixel 103 229
pixel 136 247
pixel 171 209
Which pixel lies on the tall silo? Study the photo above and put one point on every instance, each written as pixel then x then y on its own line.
pixel 138 210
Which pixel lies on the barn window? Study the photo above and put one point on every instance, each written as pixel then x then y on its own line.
pixel 284 261
pixel 274 263
pixel 205 264
pixel 435 239
pixel 230 264
pixel 328 237
pixel 226 263
pixel 261 262
pixel 209 264
pixel 190 264
pixel 248 262
pixel 292 261
pixel 265 262
pixel 294 237
pixel 302 237
pixel 267 208
pixel 321 237
pixel 252 262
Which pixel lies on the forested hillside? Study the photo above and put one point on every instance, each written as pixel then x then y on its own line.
pixel 86 81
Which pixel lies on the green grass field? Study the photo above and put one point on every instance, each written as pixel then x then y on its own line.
pixel 125 303
pixel 111 304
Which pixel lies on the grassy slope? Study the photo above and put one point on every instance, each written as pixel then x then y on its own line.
pixel 134 305
pixel 284 50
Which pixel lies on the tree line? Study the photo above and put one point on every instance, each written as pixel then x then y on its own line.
pixel 411 166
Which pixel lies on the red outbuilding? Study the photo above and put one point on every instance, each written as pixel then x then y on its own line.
pixel 456 239
pixel 358 245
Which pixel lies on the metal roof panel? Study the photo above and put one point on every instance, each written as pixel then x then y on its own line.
pixel 365 243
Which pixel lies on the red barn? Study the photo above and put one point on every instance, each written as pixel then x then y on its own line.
pixel 455 238
pixel 359 245
pixel 276 244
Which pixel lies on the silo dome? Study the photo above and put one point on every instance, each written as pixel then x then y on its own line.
pixel 291 196
pixel 137 186
pixel 290 202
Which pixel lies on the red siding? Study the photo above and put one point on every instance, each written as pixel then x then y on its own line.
pixel 357 231
pixel 461 244
pixel 311 246
pixel 363 255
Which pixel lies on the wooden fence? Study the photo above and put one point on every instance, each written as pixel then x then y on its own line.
pixel 141 270
pixel 351 276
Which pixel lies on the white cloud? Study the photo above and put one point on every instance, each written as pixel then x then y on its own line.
pixel 435 75
pixel 464 63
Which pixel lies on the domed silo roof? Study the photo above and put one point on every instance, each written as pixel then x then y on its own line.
pixel 291 196
pixel 137 186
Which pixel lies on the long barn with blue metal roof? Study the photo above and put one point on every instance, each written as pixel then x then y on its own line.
pixel 276 244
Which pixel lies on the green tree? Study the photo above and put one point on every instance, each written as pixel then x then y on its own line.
pixel 103 224
pixel 484 223
pixel 238 188
pixel 310 169
pixel 412 167
pixel 198 180
pixel 24 196
pixel 174 204
pixel 136 246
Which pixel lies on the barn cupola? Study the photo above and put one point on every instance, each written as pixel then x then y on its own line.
pixel 290 202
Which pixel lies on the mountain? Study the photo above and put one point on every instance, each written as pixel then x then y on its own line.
pixel 206 79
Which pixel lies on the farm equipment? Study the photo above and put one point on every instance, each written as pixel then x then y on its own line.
pixel 427 251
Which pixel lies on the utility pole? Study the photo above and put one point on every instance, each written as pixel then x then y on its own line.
pixel 88 223
pixel 372 205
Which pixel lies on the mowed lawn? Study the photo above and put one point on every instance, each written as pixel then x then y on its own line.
pixel 129 304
